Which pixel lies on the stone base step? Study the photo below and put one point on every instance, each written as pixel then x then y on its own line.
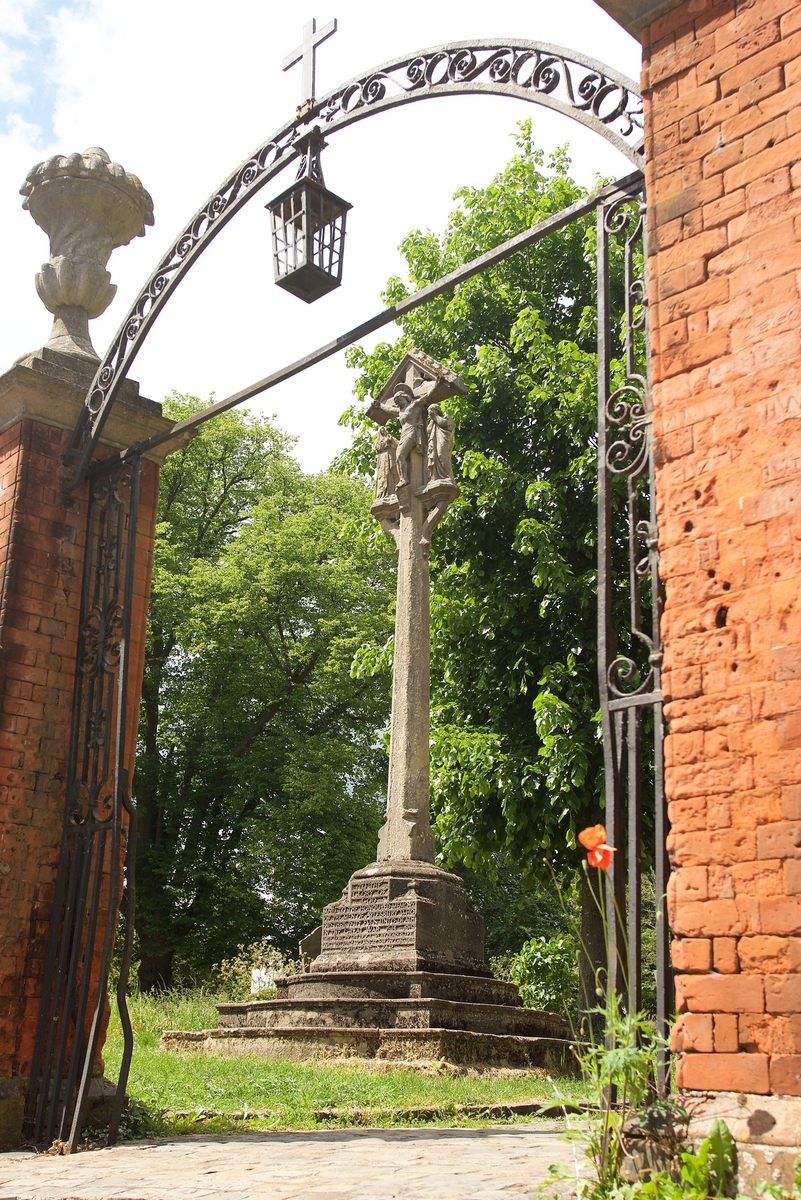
pixel 397 985
pixel 384 1014
pixel 461 1047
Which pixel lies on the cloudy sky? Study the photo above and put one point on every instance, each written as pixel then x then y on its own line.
pixel 180 91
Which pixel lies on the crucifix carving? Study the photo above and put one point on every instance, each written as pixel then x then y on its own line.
pixel 414 486
pixel 306 54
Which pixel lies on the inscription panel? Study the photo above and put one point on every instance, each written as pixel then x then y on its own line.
pixel 362 928
pixel 369 891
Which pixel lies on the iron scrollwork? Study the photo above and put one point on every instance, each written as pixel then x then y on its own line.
pixel 629 600
pixel 97 812
pixel 569 81
pixel 579 87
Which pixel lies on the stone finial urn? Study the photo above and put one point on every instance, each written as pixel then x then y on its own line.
pixel 87 205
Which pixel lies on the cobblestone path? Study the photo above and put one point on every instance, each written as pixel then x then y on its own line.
pixel 342 1164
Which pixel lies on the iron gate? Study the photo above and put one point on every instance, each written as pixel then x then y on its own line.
pixel 629 610
pixel 98 818
pixel 98 812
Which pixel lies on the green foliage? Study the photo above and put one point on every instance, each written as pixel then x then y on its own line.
pixel 516 910
pixel 707 1172
pixel 634 1143
pixel 516 755
pixel 620 1066
pixel 546 972
pixel 251 973
pixel 260 775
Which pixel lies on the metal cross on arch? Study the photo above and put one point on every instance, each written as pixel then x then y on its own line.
pixel 306 54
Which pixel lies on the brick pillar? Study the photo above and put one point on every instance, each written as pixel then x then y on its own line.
pixel 42 534
pixel 723 108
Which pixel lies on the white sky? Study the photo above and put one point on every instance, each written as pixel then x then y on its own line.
pixel 180 91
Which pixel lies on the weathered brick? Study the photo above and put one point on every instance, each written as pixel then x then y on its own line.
pixel 691 954
pixel 720 993
pixel 714 917
pixel 724 1072
pixel 725 959
pixel 770 955
pixel 781 839
pixel 781 915
pixel 785 1074
pixel 693 1032
pixel 726 1034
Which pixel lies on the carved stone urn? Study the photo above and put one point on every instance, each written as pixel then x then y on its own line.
pixel 88 206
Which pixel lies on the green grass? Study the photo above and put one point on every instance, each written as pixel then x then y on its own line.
pixel 162 1084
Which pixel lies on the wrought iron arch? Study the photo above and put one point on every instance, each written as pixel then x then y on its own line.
pixel 83 925
pixel 570 83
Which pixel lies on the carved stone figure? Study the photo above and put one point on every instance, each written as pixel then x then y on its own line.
pixel 386 469
pixel 88 206
pixel 412 410
pixel 440 443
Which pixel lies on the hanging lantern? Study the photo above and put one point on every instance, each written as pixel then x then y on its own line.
pixel 309 229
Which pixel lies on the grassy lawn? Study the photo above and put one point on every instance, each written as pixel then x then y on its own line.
pixel 188 1093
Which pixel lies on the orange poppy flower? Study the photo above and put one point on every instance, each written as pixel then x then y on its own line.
pixel 593 840
pixel 592 837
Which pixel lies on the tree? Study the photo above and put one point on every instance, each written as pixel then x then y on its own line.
pixel 516 753
pixel 260 774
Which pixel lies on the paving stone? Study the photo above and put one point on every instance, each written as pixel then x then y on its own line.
pixel 342 1164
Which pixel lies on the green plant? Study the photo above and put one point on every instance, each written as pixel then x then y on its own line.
pixel 252 972
pixel 546 972
pixel 634 1135
pixel 621 1071
pixel 706 1172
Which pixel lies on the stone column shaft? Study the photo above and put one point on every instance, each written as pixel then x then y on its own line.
pixel 407 833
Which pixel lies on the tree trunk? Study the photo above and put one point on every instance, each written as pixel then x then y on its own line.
pixel 593 941
pixel 155 972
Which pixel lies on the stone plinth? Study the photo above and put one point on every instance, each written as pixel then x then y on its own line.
pixel 400 976
pixel 402 916
pixel 398 1016
pixel 399 1046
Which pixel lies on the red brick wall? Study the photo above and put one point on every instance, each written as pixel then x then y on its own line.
pixel 723 142
pixel 40 578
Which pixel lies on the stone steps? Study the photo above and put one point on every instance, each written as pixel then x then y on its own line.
pixel 418 1013
pixel 397 985
pixel 460 1046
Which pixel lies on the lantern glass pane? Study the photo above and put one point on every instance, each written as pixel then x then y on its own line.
pixel 327 227
pixel 289 241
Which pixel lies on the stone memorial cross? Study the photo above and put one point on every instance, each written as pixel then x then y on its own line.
pixel 414 486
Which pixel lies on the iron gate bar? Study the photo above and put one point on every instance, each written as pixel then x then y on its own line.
pixel 625 449
pixel 75 980
pixel 598 97
pixel 629 184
